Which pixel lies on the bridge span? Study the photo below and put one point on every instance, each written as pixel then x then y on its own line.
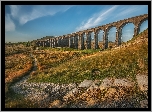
pixel 76 40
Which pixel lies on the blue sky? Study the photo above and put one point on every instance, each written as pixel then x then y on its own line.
pixel 31 22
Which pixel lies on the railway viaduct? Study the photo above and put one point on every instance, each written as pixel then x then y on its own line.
pixel 76 40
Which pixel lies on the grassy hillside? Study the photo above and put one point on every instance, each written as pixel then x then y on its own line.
pixel 73 66
pixel 66 65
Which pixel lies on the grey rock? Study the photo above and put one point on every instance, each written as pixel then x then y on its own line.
pixel 123 82
pixel 86 83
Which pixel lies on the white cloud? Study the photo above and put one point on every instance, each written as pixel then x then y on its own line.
pixel 96 19
pixel 14 10
pixel 9 24
pixel 125 11
pixel 36 11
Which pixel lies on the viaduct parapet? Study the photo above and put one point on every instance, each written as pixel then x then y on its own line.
pixel 76 40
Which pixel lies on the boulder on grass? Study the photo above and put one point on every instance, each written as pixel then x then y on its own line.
pixel 85 83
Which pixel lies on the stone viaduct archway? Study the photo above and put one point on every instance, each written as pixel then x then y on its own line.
pixel 76 40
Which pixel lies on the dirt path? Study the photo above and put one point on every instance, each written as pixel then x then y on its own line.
pixel 32 91
pixel 36 92
pixel 24 79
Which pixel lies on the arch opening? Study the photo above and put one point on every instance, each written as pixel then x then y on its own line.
pixel 111 37
pixel 143 25
pixel 127 32
pixel 100 39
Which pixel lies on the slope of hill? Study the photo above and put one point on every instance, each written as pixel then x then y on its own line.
pixel 124 61
pixel 60 68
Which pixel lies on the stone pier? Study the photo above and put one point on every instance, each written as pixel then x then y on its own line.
pixel 88 41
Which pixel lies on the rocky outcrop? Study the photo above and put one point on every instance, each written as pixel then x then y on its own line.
pixel 106 93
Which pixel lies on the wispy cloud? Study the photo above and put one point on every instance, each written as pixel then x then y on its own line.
pixel 9 24
pixel 14 10
pixel 125 11
pixel 96 19
pixel 23 16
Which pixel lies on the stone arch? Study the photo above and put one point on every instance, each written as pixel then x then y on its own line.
pixel 109 27
pixel 141 22
pixel 136 21
pixel 100 38
pixel 92 34
pixel 126 31
pixel 95 44
pixel 125 23
pixel 111 37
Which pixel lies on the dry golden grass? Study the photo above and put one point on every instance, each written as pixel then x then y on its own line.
pixel 16 66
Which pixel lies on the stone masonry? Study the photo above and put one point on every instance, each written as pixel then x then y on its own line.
pixel 76 40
